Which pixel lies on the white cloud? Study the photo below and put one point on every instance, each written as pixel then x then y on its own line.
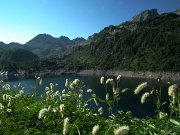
pixel 45 1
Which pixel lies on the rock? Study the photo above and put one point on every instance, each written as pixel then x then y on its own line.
pixel 177 11
pixel 146 14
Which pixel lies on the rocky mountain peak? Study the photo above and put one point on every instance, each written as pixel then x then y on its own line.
pixel 146 14
pixel 177 11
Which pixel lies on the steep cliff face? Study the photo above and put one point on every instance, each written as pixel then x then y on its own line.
pixel 146 14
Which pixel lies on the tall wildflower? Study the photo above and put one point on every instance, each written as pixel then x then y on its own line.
pixel 93 95
pixel 118 77
pixel 109 81
pixel 63 91
pixel 76 81
pixel 72 86
pixel 89 90
pixel 17 95
pixel 172 92
pixel 61 107
pixel 107 96
pixel 144 96
pixel 61 98
pixel 6 97
pixel 21 92
pixel 140 87
pixel 9 102
pixel 102 80
pixel 7 87
pixel 66 125
pixel 80 96
pixel 42 112
pixel 55 110
pixel 49 107
pixel 57 93
pixel 66 83
pixel 39 80
pixel 19 85
pixel 8 110
pixel 123 130
pixel 81 91
pixel 162 115
pixel 95 129
pixel 52 86
pixel 100 110
pixel 46 88
pixel 95 101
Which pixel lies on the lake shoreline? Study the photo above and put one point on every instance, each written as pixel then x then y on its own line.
pixel 136 74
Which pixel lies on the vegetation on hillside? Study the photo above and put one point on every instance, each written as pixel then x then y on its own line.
pixel 152 45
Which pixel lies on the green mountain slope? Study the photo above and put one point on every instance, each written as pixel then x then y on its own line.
pixel 13 59
pixel 152 45
pixel 18 55
pixel 45 45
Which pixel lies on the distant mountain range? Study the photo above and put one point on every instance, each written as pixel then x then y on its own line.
pixel 45 45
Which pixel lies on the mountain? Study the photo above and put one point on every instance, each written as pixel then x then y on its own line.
pixel 18 55
pixel 16 59
pixel 14 45
pixel 43 41
pixel 148 45
pixel 10 45
pixel 146 14
pixel 177 11
pixel 45 45
pixel 79 41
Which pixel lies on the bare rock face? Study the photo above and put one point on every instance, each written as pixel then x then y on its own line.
pixel 146 14
pixel 177 11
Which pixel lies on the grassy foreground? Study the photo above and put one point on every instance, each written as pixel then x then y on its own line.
pixel 68 113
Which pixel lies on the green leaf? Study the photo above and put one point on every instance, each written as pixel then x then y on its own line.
pixel 174 122
pixel 124 90
pixel 152 126
pixel 37 133
pixel 164 103
pixel 168 132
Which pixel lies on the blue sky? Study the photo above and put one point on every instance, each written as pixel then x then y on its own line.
pixel 21 20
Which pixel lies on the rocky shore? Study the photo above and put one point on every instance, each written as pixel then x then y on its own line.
pixel 137 74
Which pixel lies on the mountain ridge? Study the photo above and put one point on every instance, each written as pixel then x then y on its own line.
pixel 177 11
pixel 45 45
pixel 149 45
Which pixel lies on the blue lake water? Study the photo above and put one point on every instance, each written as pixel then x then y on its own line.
pixel 128 101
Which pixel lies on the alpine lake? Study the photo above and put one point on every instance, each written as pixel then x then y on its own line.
pixel 128 101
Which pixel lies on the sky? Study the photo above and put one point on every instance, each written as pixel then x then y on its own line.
pixel 22 20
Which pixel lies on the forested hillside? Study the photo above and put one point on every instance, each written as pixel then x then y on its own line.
pixel 152 45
